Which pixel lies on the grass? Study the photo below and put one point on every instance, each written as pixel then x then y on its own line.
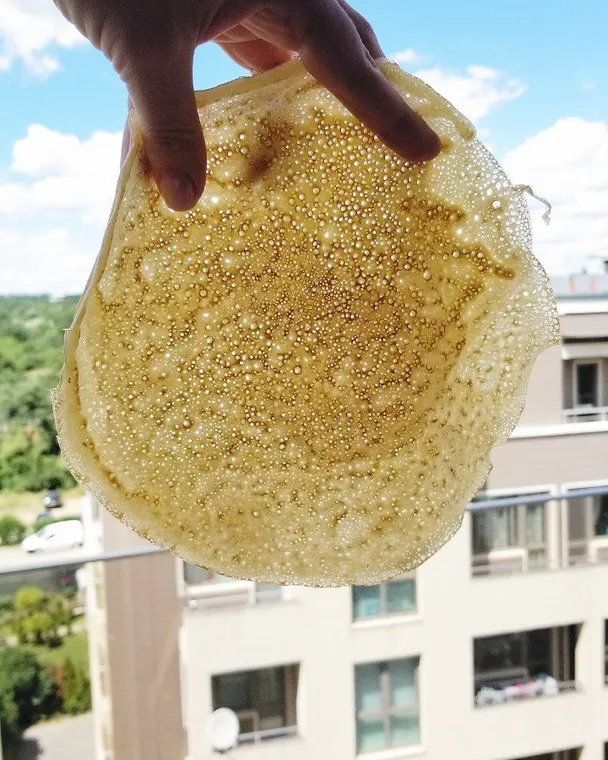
pixel 75 647
pixel 10 501
pixel 26 506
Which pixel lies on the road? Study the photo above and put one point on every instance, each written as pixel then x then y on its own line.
pixel 64 739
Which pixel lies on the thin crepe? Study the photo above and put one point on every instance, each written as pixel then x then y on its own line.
pixel 301 380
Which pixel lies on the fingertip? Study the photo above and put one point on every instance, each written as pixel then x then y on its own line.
pixel 179 192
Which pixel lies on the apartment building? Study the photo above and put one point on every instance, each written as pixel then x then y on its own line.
pixel 495 649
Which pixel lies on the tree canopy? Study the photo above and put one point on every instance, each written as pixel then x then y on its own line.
pixel 31 355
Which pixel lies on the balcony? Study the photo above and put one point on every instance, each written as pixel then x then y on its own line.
pixel 585 414
pixel 203 590
pixel 514 534
pixel 524 665
pixel 264 701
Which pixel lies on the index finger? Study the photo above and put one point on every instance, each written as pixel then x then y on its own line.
pixel 333 52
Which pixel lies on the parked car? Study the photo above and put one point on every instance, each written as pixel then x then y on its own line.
pixel 55 537
pixel 52 500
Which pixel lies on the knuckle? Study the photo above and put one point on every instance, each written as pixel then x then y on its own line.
pixel 173 141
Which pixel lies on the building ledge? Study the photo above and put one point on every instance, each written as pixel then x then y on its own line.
pixel 400 753
pixel 385 621
pixel 560 429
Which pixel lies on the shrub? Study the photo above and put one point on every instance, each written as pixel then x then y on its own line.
pixel 27 694
pixel 75 688
pixel 12 531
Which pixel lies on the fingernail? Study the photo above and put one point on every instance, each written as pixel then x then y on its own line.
pixel 179 192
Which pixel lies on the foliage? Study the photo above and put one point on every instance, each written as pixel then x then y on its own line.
pixel 12 531
pixel 75 688
pixel 31 354
pixel 27 694
pixel 40 618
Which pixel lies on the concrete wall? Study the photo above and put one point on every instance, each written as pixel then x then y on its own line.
pixel 143 619
pixel 585 325
pixel 544 400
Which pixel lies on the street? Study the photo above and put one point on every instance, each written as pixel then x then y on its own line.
pixel 63 739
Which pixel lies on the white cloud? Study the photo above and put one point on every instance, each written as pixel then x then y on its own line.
pixel 567 164
pixel 476 92
pixel 61 173
pixel 407 57
pixel 54 204
pixel 28 28
pixel 51 262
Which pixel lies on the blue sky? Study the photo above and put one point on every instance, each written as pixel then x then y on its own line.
pixel 541 67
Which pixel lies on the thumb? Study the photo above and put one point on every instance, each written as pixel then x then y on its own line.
pixel 162 91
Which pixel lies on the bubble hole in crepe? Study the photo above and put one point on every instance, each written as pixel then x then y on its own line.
pixel 301 380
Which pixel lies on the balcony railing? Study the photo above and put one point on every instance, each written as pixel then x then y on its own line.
pixel 514 690
pixel 231 594
pixel 553 550
pixel 586 414
pixel 255 737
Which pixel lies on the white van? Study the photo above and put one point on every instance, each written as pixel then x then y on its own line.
pixel 54 537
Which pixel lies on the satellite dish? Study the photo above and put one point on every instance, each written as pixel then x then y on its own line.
pixel 223 729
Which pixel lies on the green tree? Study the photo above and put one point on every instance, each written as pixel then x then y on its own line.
pixel 75 689
pixel 29 599
pixel 61 611
pixel 12 531
pixel 40 628
pixel 31 354
pixel 27 694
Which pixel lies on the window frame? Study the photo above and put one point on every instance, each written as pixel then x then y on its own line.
pixel 479 560
pixel 561 653
pixel 384 613
pixel 599 363
pixel 590 534
pixel 387 711
pixel 253 690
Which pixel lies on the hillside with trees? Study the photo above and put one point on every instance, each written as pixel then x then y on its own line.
pixel 31 355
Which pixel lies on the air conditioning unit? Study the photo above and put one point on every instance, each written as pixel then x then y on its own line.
pixel 598 550
pixel 512 560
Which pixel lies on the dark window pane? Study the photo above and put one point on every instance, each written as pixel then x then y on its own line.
pixel 404 729
pixel 600 515
pixel 371 734
pixel 401 596
pixel 366 601
pixel 587 386
pixel 367 688
pixel 498 652
pixel 403 683
pixel 576 520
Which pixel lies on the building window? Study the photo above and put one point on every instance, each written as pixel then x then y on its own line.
pixel 586 382
pixel 587 519
pixel 606 653
pixel 517 526
pixel 211 589
pixel 395 598
pixel 524 664
pixel 264 700
pixel 387 711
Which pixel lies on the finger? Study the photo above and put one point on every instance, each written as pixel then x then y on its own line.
pixel 126 135
pixel 256 55
pixel 162 90
pixel 334 54
pixel 365 30
pixel 126 142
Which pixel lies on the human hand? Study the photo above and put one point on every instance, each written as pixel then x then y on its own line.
pixel 151 45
